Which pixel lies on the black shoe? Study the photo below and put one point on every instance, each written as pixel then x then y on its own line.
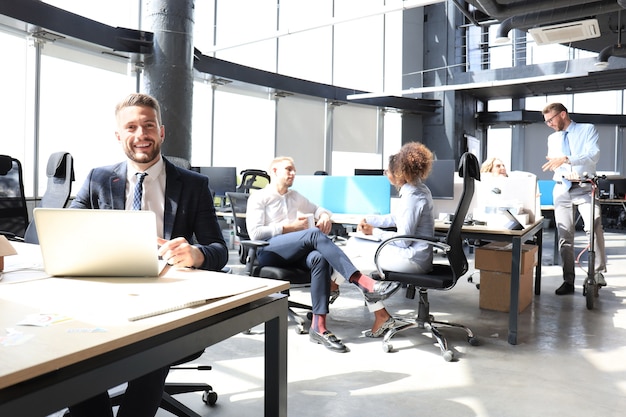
pixel 327 339
pixel 564 289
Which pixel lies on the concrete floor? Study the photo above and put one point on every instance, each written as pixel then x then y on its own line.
pixel 570 361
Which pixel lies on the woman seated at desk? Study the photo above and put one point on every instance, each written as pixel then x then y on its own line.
pixel 413 216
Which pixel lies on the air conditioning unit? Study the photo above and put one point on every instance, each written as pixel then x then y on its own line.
pixel 566 32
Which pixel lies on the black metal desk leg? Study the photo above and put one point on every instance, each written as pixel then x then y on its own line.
pixel 539 242
pixel 516 261
pixel 276 364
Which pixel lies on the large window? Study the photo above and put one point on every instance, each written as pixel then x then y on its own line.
pixel 243 132
pixel 78 97
pixel 16 106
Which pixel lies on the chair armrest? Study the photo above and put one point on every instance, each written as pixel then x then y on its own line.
pixel 433 241
pixel 251 247
pixel 11 236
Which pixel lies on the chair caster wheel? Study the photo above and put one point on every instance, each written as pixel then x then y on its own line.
pixel 448 355
pixel 309 316
pixel 209 397
pixel 387 347
pixel 473 341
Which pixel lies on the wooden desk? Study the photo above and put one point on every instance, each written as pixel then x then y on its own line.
pixel 516 237
pixel 99 348
pixel 612 202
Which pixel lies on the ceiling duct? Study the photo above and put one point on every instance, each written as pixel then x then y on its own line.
pixel 552 17
pixel 612 50
pixel 566 32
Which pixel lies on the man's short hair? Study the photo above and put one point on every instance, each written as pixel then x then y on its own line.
pixel 557 107
pixel 139 99
pixel 280 159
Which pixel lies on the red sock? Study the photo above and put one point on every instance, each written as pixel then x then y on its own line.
pixel 363 280
pixel 319 323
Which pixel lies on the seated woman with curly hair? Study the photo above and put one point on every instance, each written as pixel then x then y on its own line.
pixel 413 215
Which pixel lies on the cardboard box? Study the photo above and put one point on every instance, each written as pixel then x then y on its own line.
pixel 495 290
pixel 496 256
pixel 5 250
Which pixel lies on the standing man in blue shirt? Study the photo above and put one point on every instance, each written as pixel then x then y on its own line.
pixel 573 151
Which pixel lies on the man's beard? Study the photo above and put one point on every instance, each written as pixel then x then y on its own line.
pixel 143 157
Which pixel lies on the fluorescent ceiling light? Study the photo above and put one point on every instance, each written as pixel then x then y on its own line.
pixel 468 86
pixel 404 5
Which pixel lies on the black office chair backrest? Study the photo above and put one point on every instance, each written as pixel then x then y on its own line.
pixel 178 161
pixel 239 205
pixel 60 173
pixel 469 170
pixel 253 179
pixel 13 209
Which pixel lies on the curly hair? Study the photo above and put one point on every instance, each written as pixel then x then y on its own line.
pixel 414 162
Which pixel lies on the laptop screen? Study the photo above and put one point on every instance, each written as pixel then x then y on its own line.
pixel 97 243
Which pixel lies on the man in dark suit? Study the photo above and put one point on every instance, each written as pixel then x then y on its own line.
pixel 189 235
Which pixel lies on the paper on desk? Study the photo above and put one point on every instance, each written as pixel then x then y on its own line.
pixel 361 235
pixel 180 294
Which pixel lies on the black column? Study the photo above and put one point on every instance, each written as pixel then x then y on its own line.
pixel 169 70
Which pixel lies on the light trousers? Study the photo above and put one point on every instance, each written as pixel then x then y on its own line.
pixel 564 214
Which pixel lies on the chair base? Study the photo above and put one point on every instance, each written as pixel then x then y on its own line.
pixel 171 404
pixel 295 317
pixel 425 320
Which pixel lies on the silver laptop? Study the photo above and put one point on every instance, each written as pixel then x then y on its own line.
pixel 97 243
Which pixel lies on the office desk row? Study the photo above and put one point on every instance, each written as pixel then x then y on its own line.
pixel 91 345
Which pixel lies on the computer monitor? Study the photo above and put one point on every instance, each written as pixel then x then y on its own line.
pixel 221 179
pixel 368 171
pixel 393 192
pixel 441 179
pixel 618 184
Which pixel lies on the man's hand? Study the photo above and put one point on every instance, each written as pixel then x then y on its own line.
pixel 179 253
pixel 324 223
pixel 554 163
pixel 365 228
pixel 300 223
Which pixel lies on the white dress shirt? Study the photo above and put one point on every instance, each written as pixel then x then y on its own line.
pixel 268 211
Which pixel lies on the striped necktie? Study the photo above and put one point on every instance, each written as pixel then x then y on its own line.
pixel 138 190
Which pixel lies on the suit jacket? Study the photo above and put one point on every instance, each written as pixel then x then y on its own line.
pixel 189 210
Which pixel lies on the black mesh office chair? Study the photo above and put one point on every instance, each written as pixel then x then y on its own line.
pixel 60 173
pixel 13 209
pixel 247 256
pixel 253 179
pixel 444 276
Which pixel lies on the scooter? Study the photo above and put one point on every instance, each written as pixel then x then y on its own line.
pixel 591 287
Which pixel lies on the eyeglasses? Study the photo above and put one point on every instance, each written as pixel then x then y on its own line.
pixel 550 119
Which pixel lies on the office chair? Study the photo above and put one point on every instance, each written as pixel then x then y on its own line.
pixel 444 276
pixel 247 256
pixel 60 173
pixel 13 209
pixel 253 179
pixel 178 161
